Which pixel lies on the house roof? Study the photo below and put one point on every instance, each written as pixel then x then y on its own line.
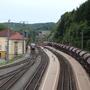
pixel 6 33
pixel 12 34
pixel 16 36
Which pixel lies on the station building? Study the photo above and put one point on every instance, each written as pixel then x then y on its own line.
pixel 11 42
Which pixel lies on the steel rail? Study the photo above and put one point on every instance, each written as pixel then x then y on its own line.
pixel 11 73
pixel 14 64
pixel 9 79
pixel 66 78
pixel 34 82
pixel 13 78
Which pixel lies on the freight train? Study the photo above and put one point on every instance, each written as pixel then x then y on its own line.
pixel 83 57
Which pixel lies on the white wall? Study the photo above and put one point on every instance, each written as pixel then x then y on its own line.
pixel 3 43
pixel 19 46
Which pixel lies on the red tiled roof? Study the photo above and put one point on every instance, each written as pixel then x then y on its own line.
pixel 12 34
pixel 16 36
pixel 6 32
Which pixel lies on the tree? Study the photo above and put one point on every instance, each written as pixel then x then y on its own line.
pixel 2 26
pixel 72 24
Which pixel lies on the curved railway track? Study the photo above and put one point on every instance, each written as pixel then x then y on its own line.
pixel 66 78
pixel 34 82
pixel 14 64
pixel 9 79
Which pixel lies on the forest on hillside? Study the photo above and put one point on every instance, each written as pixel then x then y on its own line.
pixel 28 27
pixel 73 28
pixel 28 30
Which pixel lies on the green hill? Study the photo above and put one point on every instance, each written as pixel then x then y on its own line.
pixel 29 30
pixel 73 28
pixel 33 27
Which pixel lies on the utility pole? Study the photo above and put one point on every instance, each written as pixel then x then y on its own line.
pixel 23 35
pixel 69 38
pixel 7 51
pixel 82 40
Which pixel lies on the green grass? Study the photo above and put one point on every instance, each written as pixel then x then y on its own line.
pixel 3 62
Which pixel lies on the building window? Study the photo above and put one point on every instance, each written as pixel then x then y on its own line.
pixel 0 55
pixel 16 48
pixel 0 47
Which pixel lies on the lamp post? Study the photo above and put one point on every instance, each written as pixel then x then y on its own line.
pixel 25 35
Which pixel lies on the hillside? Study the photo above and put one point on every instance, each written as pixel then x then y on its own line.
pixel 73 28
pixel 30 30
pixel 27 27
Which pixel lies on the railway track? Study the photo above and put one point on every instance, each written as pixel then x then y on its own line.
pixel 8 80
pixel 34 82
pixel 14 64
pixel 67 78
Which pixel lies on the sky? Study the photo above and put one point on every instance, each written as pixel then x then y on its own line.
pixel 35 11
